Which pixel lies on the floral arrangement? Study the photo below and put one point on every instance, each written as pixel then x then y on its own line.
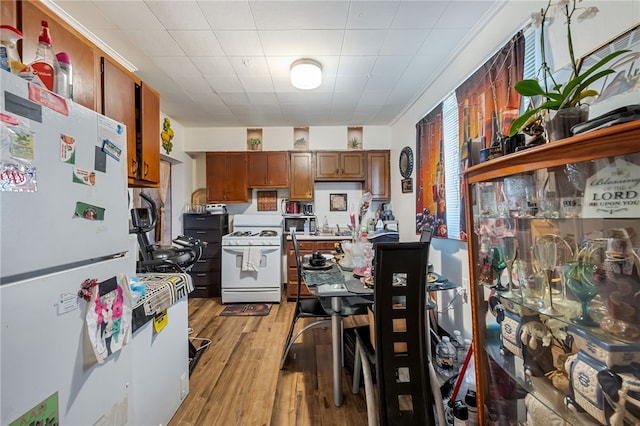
pixel 167 135
pixel 560 95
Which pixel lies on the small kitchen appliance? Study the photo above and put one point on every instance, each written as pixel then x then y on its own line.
pixel 216 208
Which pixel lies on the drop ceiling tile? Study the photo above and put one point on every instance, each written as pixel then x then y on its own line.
pixel 286 15
pixel 256 83
pixel 403 42
pixel 264 99
pixel 239 43
pixel 418 14
pixel 468 13
pixel 363 42
pixel 177 67
pixel 235 99
pixel 129 15
pixel 155 43
pixel 227 15
pixel 225 84
pixel 371 14
pixel 356 65
pixel 92 17
pixel 373 98
pixel 250 66
pixel 350 84
pixel 197 42
pixel 301 43
pixel 214 66
pixel 179 15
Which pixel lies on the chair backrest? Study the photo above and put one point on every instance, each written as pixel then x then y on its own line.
pixel 399 315
pixel 427 233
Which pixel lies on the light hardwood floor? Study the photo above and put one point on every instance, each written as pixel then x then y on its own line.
pixel 238 380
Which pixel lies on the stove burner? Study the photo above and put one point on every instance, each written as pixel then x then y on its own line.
pixel 268 233
pixel 241 234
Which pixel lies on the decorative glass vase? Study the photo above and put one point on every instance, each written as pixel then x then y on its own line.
pixel 559 123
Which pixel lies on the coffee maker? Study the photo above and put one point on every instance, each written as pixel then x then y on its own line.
pixel 307 209
pixel 387 218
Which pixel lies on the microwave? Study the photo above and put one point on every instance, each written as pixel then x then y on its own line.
pixel 297 221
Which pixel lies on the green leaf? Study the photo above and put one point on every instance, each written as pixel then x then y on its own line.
pixel 529 88
pixel 519 122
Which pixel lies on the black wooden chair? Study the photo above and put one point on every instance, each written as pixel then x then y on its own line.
pixel 305 308
pixel 402 375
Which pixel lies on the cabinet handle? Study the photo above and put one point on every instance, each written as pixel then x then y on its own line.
pixel 201 275
pixel 201 232
pixel 337 171
pixel 341 171
pixel 200 218
pixel 146 169
pixel 134 165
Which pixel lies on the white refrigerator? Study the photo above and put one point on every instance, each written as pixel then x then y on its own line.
pixel 64 219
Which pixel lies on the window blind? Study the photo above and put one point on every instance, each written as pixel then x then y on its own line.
pixel 451 164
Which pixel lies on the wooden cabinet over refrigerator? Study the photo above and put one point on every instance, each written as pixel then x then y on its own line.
pixel 560 344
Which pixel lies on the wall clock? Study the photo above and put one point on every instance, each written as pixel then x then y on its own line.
pixel 406 162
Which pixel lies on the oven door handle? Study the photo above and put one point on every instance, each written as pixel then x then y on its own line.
pixel 239 250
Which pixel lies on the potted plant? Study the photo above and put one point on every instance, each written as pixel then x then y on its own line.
pixel 564 98
pixel 354 142
pixel 301 143
pixel 254 143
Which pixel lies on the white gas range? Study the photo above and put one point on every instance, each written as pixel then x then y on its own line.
pixel 251 259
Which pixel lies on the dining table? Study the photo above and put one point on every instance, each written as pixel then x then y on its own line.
pixel 341 294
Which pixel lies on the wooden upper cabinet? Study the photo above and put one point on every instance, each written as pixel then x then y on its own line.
pixel 378 175
pixel 268 169
pixel 301 173
pixel 84 55
pixel 149 153
pixel 119 103
pixel 227 177
pixel 9 13
pixel 340 165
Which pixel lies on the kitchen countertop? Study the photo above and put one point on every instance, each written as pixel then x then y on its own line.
pixel 320 237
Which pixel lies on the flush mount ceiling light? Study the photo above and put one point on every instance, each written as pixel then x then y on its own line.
pixel 306 74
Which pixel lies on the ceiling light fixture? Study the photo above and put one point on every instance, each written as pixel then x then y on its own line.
pixel 306 74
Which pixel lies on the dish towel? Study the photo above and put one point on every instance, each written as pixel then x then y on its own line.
pixel 251 257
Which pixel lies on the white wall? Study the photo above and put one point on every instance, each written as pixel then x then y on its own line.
pixel 450 256
pixel 181 175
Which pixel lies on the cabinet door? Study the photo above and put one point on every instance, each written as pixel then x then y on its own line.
pixel 258 169
pixel 268 169
pixel 327 165
pixel 352 165
pixel 236 177
pixel 84 55
pixel 150 134
pixel 301 176
pixel 378 175
pixel 119 103
pixel 9 13
pixel 278 176
pixel 216 177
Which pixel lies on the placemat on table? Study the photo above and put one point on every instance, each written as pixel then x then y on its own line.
pixel 331 276
pixel 355 286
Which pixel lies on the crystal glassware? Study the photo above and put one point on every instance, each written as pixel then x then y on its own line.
pixel 498 264
pixel 579 278
pixel 545 252
pixel 509 246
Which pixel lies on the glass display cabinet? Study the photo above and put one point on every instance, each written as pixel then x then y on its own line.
pixel 554 244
